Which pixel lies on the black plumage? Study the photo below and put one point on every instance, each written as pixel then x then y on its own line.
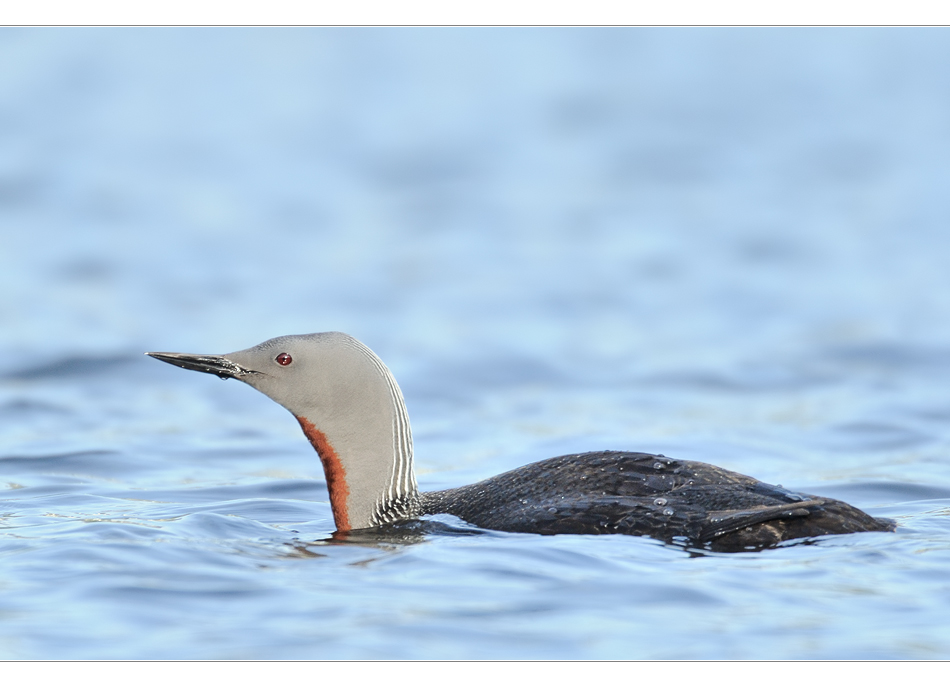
pixel 616 492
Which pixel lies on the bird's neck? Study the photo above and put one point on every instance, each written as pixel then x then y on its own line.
pixel 366 451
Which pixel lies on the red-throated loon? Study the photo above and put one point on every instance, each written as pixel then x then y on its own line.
pixel 353 413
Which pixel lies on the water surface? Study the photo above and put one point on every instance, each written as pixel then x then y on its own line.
pixel 721 245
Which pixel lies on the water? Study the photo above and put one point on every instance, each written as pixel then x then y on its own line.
pixel 720 245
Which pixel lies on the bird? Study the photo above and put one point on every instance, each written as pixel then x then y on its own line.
pixel 352 411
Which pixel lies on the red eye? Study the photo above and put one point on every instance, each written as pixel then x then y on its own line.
pixel 284 359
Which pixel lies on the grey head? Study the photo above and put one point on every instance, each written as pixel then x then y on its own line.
pixel 348 405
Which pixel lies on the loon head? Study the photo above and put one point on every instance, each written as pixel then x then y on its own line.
pixel 349 407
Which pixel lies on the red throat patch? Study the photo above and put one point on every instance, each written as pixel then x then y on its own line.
pixel 333 469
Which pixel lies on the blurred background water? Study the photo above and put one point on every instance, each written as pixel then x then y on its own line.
pixel 727 245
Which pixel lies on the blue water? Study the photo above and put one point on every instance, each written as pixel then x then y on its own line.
pixel 726 245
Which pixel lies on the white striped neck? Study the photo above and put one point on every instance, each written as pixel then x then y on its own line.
pixel 361 432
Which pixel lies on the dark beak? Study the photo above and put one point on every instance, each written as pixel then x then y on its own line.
pixel 212 364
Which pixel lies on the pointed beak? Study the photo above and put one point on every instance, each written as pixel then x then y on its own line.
pixel 212 364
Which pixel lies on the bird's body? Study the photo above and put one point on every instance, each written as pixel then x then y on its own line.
pixel 350 408
pixel 615 492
